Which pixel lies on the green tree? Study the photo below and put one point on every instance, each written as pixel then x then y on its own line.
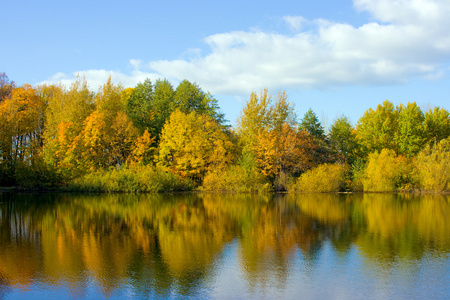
pixel 163 99
pixel 139 105
pixel 410 134
pixel 376 129
pixel 190 97
pixel 343 141
pixel 436 125
pixel 311 124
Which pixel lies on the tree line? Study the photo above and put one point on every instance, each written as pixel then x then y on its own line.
pixel 156 137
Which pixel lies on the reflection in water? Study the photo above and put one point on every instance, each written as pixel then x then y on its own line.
pixel 206 245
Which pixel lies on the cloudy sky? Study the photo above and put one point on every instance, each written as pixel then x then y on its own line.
pixel 336 57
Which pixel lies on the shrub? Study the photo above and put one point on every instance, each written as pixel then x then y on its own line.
pixel 236 178
pixel 6 174
pixel 325 178
pixel 386 172
pixel 37 176
pixel 433 167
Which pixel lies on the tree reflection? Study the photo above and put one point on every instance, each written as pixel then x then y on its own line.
pixel 161 245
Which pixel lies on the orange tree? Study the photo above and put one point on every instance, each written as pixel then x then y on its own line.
pixel 284 151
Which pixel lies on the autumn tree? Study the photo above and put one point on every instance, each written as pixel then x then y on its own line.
pixel 385 172
pixel 433 166
pixel 21 118
pixel 69 105
pixel 123 140
pixel 284 152
pixel 143 150
pixel 192 144
pixel 260 113
pixel 6 86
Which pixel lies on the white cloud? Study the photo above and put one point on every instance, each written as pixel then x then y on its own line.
pixel 405 39
pixel 294 22
pixel 97 78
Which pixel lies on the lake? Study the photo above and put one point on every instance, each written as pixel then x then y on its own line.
pixel 224 246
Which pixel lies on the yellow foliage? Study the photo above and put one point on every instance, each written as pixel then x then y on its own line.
pixel 433 167
pixel 385 171
pixel 325 178
pixel 193 144
pixel 143 148
pixel 21 118
pixel 236 179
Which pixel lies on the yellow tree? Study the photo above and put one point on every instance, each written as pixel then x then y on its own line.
pixel 143 150
pixel 122 140
pixel 193 144
pixel 22 122
pixel 261 113
pixel 92 143
pixel 70 105
pixel 433 166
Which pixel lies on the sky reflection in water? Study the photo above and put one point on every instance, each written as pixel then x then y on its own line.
pixel 224 246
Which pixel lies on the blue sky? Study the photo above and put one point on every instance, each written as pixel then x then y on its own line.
pixel 336 57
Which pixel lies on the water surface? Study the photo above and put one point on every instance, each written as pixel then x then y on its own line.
pixel 212 246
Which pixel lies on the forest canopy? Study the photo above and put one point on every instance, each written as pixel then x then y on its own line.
pixel 155 137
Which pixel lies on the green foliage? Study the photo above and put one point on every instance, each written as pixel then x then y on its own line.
pixel 190 97
pixel 436 125
pixel 357 173
pixel 134 178
pixel 6 174
pixel 410 134
pixel 386 172
pixel 376 130
pixel 343 141
pixel 37 176
pixel 311 124
pixel 433 167
pixel 325 178
pixel 139 105
pixel 163 99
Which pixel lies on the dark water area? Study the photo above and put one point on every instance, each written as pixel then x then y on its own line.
pixel 214 246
